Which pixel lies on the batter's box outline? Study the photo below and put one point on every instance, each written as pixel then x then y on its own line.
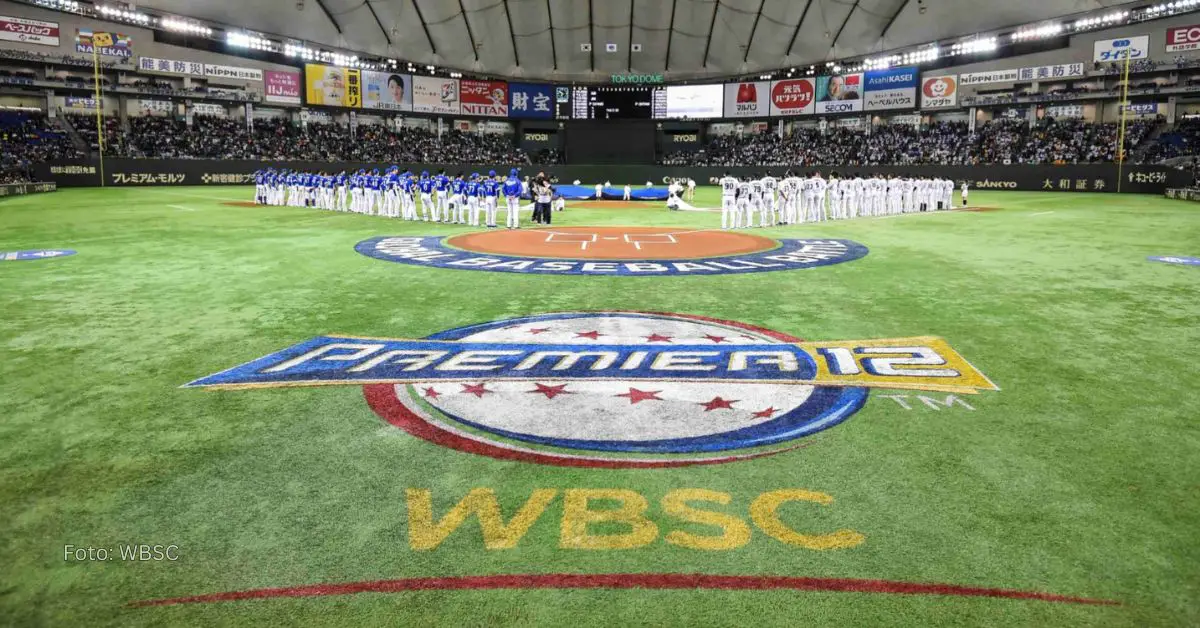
pixel 584 239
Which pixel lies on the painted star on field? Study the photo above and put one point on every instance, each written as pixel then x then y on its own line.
pixel 634 395
pixel 718 403
pixel 430 393
pixel 478 390
pixel 551 391
pixel 765 414
pixel 539 330
pixel 594 335
pixel 658 338
pixel 716 340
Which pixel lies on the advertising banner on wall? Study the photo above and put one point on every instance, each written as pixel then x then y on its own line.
pixel 1050 72
pixel 81 102
pixel 483 98
pixel 1065 111
pixel 791 97
pixel 748 99
pixel 152 65
pixel 432 94
pixel 332 86
pixel 232 72
pixel 384 90
pixel 839 94
pixel 209 109
pixel 122 45
pixel 893 88
pixel 281 87
pixel 530 100
pixel 25 31
pixel 695 101
pixel 156 106
pixel 1179 39
pixel 1118 49
pixel 939 91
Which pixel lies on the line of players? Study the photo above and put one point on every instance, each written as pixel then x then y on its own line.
pixel 793 199
pixel 452 199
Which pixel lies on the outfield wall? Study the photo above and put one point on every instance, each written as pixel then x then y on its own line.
pixel 1077 178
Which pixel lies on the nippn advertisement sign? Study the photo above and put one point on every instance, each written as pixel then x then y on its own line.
pixel 750 99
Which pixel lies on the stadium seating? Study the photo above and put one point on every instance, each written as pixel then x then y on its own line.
pixel 28 138
pixel 942 143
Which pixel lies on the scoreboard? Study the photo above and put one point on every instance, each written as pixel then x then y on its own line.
pixel 616 103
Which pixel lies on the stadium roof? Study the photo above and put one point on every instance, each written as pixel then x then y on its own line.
pixel 684 39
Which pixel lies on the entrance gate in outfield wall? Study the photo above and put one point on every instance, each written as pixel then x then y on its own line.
pixel 1077 178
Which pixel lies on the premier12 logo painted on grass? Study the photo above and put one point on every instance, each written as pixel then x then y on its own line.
pixel 613 389
pixel 570 259
pixel 21 256
pixel 1175 259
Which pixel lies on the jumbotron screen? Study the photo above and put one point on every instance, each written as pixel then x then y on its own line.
pixel 615 103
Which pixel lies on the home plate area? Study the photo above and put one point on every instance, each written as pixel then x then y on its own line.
pixel 613 243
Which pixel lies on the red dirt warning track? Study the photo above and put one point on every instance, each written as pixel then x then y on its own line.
pixel 612 243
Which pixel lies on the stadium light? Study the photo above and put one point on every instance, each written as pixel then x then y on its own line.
pixel 1039 32
pixel 185 27
pixel 244 40
pixel 118 14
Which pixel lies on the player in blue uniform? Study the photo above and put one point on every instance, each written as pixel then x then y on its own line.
pixel 471 191
pixel 512 200
pixel 425 185
pixel 458 206
pixel 491 190
pixel 441 187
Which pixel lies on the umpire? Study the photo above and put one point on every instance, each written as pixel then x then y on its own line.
pixel 541 191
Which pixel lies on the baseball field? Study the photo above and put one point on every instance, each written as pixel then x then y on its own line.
pixel 219 414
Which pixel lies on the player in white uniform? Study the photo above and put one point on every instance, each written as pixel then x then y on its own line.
pixel 729 189
pixel 599 191
pixel 948 185
pixel 766 211
pixel 756 200
pixel 819 186
pixel 963 192
pixel 742 208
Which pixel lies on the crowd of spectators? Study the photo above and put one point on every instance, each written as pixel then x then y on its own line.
pixel 41 57
pixel 999 141
pixel 218 137
pixel 1182 141
pixel 26 139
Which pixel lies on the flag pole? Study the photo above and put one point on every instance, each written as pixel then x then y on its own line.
pixel 99 107
pixel 1123 108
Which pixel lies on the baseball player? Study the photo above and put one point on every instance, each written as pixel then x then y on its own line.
pixel 963 192
pixel 729 194
pixel 512 200
pixel 743 203
pixel 491 192
pixel 425 186
pixel 458 202
pixel 767 216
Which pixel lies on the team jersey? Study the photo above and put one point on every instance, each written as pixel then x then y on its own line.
pixel 457 186
pixel 512 187
pixel 471 188
pixel 440 183
pixel 743 189
pixel 491 188
pixel 756 187
pixel 426 186
pixel 729 186
pixel 770 184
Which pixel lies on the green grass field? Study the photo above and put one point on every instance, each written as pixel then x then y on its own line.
pixel 1080 477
